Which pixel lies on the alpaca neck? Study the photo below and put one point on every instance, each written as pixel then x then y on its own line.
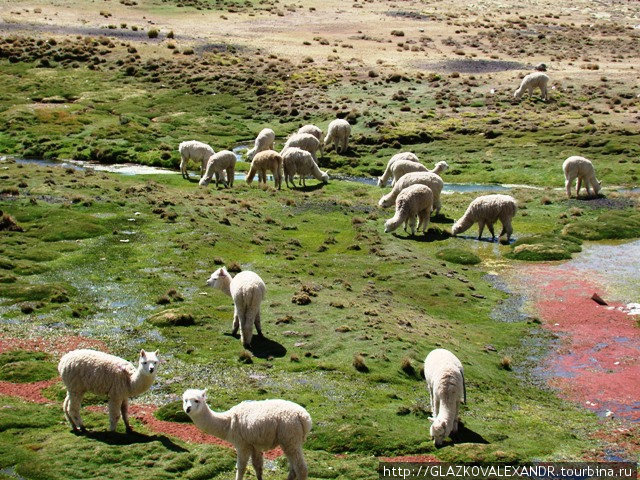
pixel 141 382
pixel 225 285
pixel 213 423
pixel 446 413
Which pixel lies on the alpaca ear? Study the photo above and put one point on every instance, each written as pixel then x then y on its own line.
pixel 143 354
pixel 204 394
pixel 224 271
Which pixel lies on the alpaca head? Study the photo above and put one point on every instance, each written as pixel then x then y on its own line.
pixel 518 93
pixel 204 181
pixel 456 228
pixel 380 182
pixel 194 401
pixel 438 431
pixel 387 226
pixel 385 201
pixel 441 166
pixel 325 177
pixel 597 187
pixel 218 277
pixel 148 362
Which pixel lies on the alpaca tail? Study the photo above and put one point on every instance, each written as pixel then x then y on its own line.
pixel 464 389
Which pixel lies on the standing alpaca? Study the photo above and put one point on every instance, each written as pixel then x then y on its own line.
pixel 388 172
pixel 264 141
pixel 444 375
pixel 532 81
pixel 431 180
pixel 194 150
pixel 253 427
pixel 316 132
pixel 305 141
pixel 487 210
pixel 247 291
pixel 218 164
pixel 267 160
pixel 413 202
pixel 338 133
pixel 582 169
pixel 298 161
pixel 85 371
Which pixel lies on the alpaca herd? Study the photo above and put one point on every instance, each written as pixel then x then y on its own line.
pixel 256 426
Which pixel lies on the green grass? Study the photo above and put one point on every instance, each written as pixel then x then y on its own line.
pixel 613 225
pixel 22 367
pixel 459 256
pixel 395 296
pixel 545 247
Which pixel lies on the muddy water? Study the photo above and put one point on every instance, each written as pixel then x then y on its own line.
pixel 595 360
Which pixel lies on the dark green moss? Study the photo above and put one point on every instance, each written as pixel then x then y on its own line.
pixel 23 367
pixel 459 256
pixel 537 248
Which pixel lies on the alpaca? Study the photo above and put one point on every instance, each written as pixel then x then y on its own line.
pixel 486 210
pixel 85 371
pixel 253 427
pixel 247 291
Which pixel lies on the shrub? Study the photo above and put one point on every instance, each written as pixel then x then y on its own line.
pixel 153 33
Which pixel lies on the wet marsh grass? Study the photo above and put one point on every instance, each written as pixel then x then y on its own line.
pixel 397 301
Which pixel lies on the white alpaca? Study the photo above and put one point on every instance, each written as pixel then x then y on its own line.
pixel 316 132
pixel 439 167
pixel 532 81
pixel 96 372
pixel 305 141
pixel 431 180
pixel 194 150
pixel 487 210
pixel 413 202
pixel 263 162
pixel 388 172
pixel 253 427
pixel 247 291
pixel 402 167
pixel 264 141
pixel 300 162
pixel 218 164
pixel 338 133
pixel 445 381
pixel 582 169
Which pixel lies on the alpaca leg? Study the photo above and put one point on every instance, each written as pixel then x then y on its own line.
pixel 231 174
pixel 345 142
pixel 124 410
pixel 246 334
pixel 508 228
pixel 258 325
pixel 567 185
pixel 257 461
pixel 490 227
pixel 579 187
pixel 241 462
pixel 114 413
pixel 236 321
pixel 454 427
pixel 67 413
pixel 438 205
pixel 183 167
pixel 543 90
pixel 426 218
pixel 480 229
pixel 412 223
pixel 75 401
pixel 297 466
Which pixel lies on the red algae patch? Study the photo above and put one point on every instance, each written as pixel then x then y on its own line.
pixel 31 392
pixel 184 431
pixel 410 459
pixel 59 345
pixel 598 361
